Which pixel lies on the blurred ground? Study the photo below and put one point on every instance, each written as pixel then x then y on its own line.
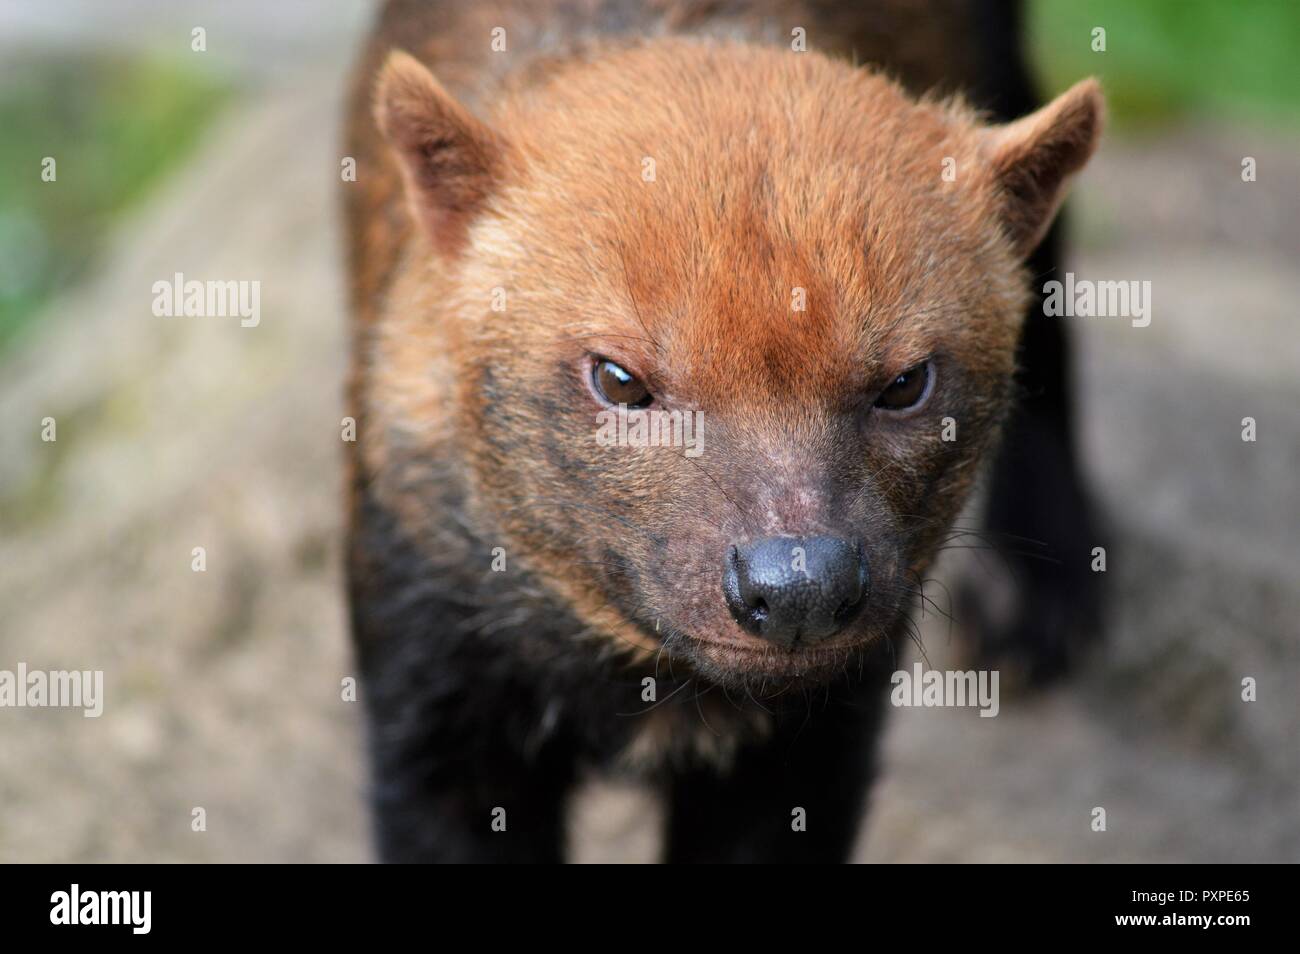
pixel 223 688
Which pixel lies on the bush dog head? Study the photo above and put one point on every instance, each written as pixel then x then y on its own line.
pixel 815 280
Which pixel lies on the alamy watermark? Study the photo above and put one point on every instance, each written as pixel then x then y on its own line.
pixel 132 909
pixel 1084 298
pixel 623 426
pixel 212 299
pixel 946 688
pixel 55 689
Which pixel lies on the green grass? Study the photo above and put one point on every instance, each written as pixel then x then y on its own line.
pixel 114 127
pixel 1166 60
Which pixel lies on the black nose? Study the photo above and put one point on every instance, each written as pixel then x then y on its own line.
pixel 788 589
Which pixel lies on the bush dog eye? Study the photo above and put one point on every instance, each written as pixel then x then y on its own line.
pixel 908 390
pixel 616 385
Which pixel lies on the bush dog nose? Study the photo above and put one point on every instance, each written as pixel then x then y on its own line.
pixel 795 589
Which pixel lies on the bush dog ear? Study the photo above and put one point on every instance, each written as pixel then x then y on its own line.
pixel 1034 157
pixel 450 161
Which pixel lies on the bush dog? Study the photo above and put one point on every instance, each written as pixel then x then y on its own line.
pixel 609 207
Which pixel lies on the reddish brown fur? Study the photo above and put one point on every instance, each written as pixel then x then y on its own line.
pixel 773 170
